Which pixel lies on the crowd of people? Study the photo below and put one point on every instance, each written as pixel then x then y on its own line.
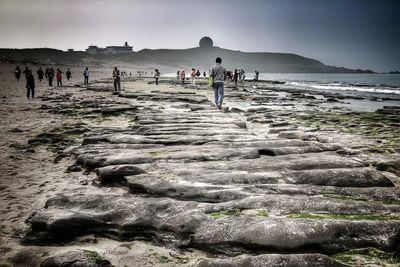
pixel 194 74
pixel 217 76
pixel 233 76
pixel 49 73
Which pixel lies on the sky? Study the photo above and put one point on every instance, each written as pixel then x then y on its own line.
pixel 351 33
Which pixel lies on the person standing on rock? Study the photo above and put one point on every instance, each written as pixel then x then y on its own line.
pixel 157 75
pixel 241 75
pixel 40 74
pixel 117 80
pixel 256 74
pixel 17 73
pixel 86 76
pixel 59 77
pixel 183 77
pixel 218 72
pixel 30 84
pixel 68 73
pixel 204 74
pixel 193 77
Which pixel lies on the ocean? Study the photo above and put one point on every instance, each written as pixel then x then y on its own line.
pixel 362 83
pixel 380 84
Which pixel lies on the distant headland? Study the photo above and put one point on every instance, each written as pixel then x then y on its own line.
pixel 201 57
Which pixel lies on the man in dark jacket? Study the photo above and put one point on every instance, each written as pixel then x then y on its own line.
pixel 117 80
pixel 30 84
pixel 50 76
pixel 40 74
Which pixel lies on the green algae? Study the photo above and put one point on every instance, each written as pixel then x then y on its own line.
pixel 352 217
pixel 225 213
pixel 371 125
pixel 178 260
pixel 262 213
pixel 181 260
pixel 359 199
pixel 92 254
pixel 155 153
pixel 389 147
pixel 237 212
pixel 367 256
pixel 344 197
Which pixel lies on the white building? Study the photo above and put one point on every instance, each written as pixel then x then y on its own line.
pixel 110 50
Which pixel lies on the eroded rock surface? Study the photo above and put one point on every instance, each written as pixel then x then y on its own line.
pixel 196 177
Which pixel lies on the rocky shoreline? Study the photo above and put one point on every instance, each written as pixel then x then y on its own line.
pixel 156 176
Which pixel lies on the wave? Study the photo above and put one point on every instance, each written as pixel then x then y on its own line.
pixel 367 88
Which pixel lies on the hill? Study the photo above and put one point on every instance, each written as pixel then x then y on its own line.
pixel 173 59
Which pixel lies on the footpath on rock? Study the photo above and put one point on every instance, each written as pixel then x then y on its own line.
pixel 177 182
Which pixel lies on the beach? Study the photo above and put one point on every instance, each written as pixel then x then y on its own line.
pixel 157 176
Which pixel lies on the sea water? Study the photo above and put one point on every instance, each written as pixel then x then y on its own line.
pixel 363 83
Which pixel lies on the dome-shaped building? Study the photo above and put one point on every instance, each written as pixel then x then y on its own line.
pixel 206 42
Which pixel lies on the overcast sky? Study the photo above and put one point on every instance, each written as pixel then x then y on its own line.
pixel 351 33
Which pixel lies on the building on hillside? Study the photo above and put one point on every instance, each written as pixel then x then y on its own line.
pixel 126 49
pixel 93 49
pixel 109 50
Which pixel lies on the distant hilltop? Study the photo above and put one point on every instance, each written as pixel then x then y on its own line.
pixel 201 57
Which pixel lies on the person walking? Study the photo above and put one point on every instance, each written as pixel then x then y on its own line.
pixel 50 76
pixel 193 77
pixel 117 80
pixel 157 75
pixel 30 85
pixel 183 77
pixel 218 72
pixel 235 77
pixel 17 73
pixel 40 74
pixel 204 74
pixel 59 77
pixel 198 74
pixel 178 75
pixel 86 76
pixel 68 73
pixel 26 71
